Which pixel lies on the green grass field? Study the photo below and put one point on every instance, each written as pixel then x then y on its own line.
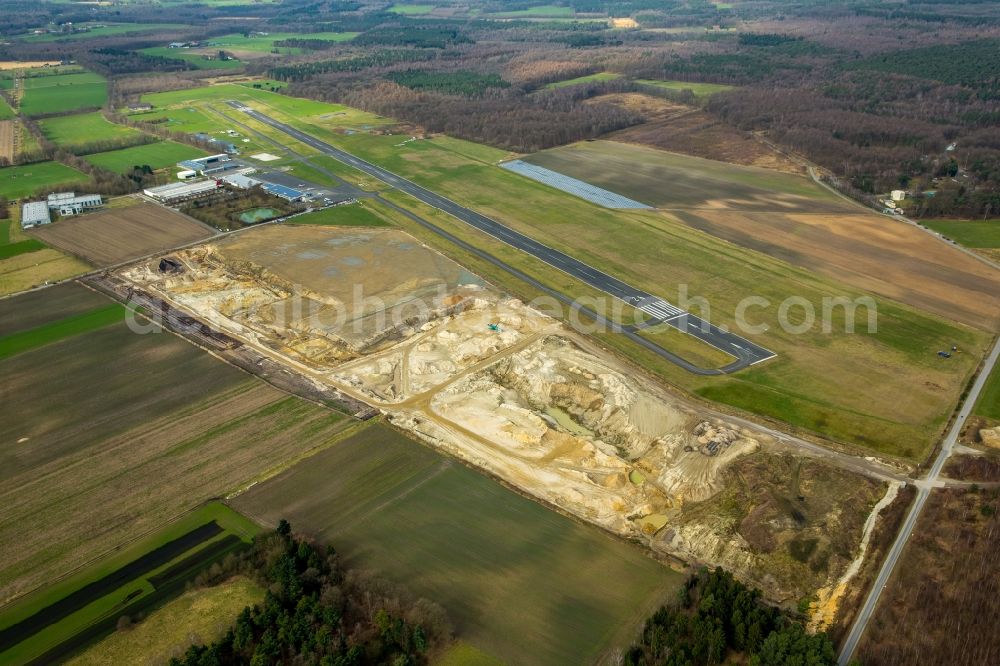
pixel 600 76
pixel 8 250
pixel 197 59
pixel 540 11
pixel 411 10
pixel 204 613
pixel 640 173
pixel 265 44
pixel 156 155
pixel 6 113
pixel 348 215
pixel 988 405
pixel 699 89
pixel 22 181
pixel 520 581
pixel 970 233
pixel 63 92
pixel 23 341
pixel 82 129
pixel 106 30
pixel 112 604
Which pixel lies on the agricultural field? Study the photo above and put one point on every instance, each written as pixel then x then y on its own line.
pixel 105 30
pixel 6 113
pixel 700 90
pixel 157 155
pixel 8 128
pixel 202 613
pixel 539 11
pixel 520 581
pixel 412 10
pixel 262 44
pixel 940 603
pixel 83 129
pixel 25 262
pixel 97 412
pixel 350 215
pixel 683 129
pixel 63 92
pixel 983 236
pixel 600 76
pixel 197 57
pixel 85 605
pixel 119 234
pixel 988 405
pixel 791 218
pixel 643 174
pixel 17 182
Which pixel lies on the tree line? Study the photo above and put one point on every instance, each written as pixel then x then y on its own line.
pixel 717 619
pixel 317 612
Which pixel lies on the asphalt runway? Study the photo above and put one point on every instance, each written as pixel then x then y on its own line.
pixel 746 352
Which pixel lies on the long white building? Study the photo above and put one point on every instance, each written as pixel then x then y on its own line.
pixel 180 191
pixel 34 213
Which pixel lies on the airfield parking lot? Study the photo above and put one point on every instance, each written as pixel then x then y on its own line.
pixel 112 236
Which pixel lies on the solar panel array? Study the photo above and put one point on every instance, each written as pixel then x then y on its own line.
pixel 573 186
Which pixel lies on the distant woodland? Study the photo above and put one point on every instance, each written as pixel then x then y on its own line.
pixel 882 95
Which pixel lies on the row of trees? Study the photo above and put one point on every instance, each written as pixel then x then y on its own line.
pixel 718 619
pixel 510 119
pixel 316 612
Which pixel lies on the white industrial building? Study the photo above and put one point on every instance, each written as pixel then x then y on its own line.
pixel 34 213
pixel 241 181
pixel 181 191
pixel 69 203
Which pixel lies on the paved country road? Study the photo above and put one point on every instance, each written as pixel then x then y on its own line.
pixel 746 352
pixel 924 487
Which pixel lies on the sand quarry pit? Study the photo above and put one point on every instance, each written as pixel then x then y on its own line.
pixel 490 380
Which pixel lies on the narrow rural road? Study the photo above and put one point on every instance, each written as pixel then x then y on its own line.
pixel 746 352
pixel 924 487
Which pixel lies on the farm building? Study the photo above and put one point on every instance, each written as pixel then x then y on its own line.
pixel 140 107
pixel 181 191
pixel 898 195
pixel 287 193
pixel 69 203
pixel 34 213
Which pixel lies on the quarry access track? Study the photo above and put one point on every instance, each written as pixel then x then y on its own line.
pixel 744 351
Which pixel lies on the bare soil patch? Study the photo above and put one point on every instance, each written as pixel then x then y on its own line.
pixel 7 129
pixel 691 131
pixel 116 235
pixel 870 252
pixel 26 64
